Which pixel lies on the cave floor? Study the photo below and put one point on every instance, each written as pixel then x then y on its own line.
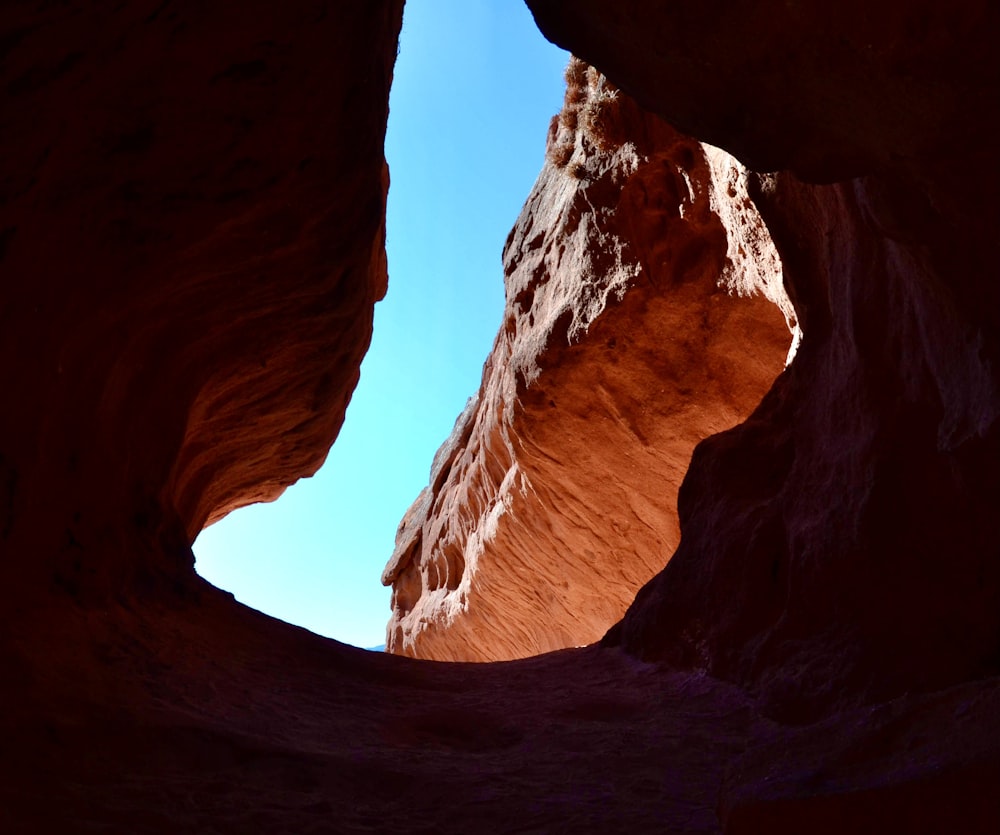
pixel 215 718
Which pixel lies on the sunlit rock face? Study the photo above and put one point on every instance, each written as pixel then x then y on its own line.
pixel 644 312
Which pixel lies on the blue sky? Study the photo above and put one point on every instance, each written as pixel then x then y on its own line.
pixel 475 86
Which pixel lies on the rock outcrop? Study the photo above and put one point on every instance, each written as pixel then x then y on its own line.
pixel 836 546
pixel 820 654
pixel 192 224
pixel 840 548
pixel 644 313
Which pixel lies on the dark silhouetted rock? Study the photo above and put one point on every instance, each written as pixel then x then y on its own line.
pixel 191 231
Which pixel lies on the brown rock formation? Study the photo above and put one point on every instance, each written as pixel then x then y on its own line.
pixel 185 190
pixel 840 548
pixel 637 323
pixel 865 465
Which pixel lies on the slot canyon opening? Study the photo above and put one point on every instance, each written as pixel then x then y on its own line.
pixel 474 88
pixel 644 313
pixel 191 240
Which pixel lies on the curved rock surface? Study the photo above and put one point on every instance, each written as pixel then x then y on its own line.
pixel 192 224
pixel 862 690
pixel 842 531
pixel 840 547
pixel 644 312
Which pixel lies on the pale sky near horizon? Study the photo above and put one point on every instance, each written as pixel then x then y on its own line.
pixel 474 89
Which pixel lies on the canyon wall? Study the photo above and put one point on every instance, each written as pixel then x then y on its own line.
pixel 190 233
pixel 192 223
pixel 842 544
pixel 644 312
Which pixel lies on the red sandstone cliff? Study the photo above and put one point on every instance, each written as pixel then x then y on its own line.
pixel 641 288
pixel 840 547
pixel 841 532
pixel 821 653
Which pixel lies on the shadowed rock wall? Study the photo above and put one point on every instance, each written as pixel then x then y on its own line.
pixel 192 220
pixel 160 318
pixel 641 290
pixel 841 544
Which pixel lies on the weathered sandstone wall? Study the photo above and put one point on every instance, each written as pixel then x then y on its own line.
pixel 192 244
pixel 179 337
pixel 841 544
pixel 644 313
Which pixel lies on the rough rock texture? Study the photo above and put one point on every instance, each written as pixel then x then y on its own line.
pixel 841 547
pixel 637 323
pixel 823 91
pixel 922 763
pixel 847 531
pixel 135 699
pixel 213 718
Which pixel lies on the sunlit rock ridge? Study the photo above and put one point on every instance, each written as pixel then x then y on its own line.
pixel 191 213
pixel 644 312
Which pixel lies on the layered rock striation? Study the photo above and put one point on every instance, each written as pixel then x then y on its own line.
pixel 644 312
pixel 192 227
pixel 836 545
pixel 178 337
pixel 840 548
